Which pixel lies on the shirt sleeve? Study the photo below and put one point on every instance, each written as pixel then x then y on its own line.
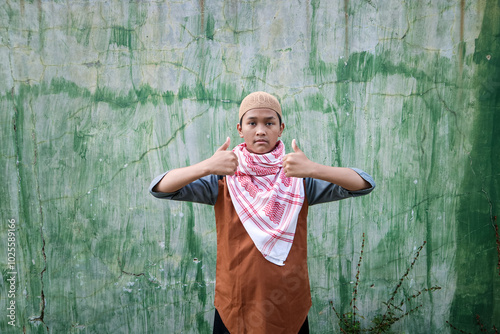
pixel 319 191
pixel 203 190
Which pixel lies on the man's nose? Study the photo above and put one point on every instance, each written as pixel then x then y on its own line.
pixel 261 130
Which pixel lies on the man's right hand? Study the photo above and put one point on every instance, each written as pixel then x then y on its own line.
pixel 223 162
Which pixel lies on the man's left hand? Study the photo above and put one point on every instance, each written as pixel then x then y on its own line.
pixel 296 164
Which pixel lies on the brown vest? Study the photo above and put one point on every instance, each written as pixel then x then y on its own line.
pixel 252 294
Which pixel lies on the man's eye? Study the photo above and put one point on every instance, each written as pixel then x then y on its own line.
pixel 270 123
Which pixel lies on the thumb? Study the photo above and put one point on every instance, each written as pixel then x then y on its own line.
pixel 225 145
pixel 295 147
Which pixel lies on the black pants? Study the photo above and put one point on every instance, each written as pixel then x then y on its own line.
pixel 219 327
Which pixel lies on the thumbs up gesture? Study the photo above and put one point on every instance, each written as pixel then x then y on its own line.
pixel 296 164
pixel 224 146
pixel 223 162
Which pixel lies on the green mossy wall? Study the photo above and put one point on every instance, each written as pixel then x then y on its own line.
pixel 98 97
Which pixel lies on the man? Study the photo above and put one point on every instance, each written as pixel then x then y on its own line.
pixel 261 198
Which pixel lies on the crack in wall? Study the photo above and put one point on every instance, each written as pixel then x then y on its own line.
pixel 132 274
pixel 497 239
pixel 174 135
pixel 202 16
pixel 16 144
pixel 40 210
pixel 346 31
pixel 461 44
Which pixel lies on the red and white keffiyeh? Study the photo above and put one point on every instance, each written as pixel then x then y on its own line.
pixel 266 201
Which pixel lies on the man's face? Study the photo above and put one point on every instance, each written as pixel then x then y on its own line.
pixel 260 128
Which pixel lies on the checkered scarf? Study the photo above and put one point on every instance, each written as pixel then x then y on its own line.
pixel 266 201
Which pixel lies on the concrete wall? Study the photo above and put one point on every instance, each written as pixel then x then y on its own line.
pixel 98 97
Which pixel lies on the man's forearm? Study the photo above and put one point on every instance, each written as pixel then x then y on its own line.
pixel 344 177
pixel 180 177
pixel 296 164
pixel 223 162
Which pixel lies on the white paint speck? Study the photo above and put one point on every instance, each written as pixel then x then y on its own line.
pixel 161 244
pixel 415 181
pixel 181 214
pixel 125 166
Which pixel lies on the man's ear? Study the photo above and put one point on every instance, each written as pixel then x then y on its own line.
pixel 282 128
pixel 238 127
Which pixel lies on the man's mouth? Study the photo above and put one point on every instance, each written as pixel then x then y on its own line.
pixel 261 141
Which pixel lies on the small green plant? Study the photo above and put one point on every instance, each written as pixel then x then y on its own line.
pixel 349 322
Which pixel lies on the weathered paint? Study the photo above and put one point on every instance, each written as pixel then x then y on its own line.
pixel 98 97
pixel 477 278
